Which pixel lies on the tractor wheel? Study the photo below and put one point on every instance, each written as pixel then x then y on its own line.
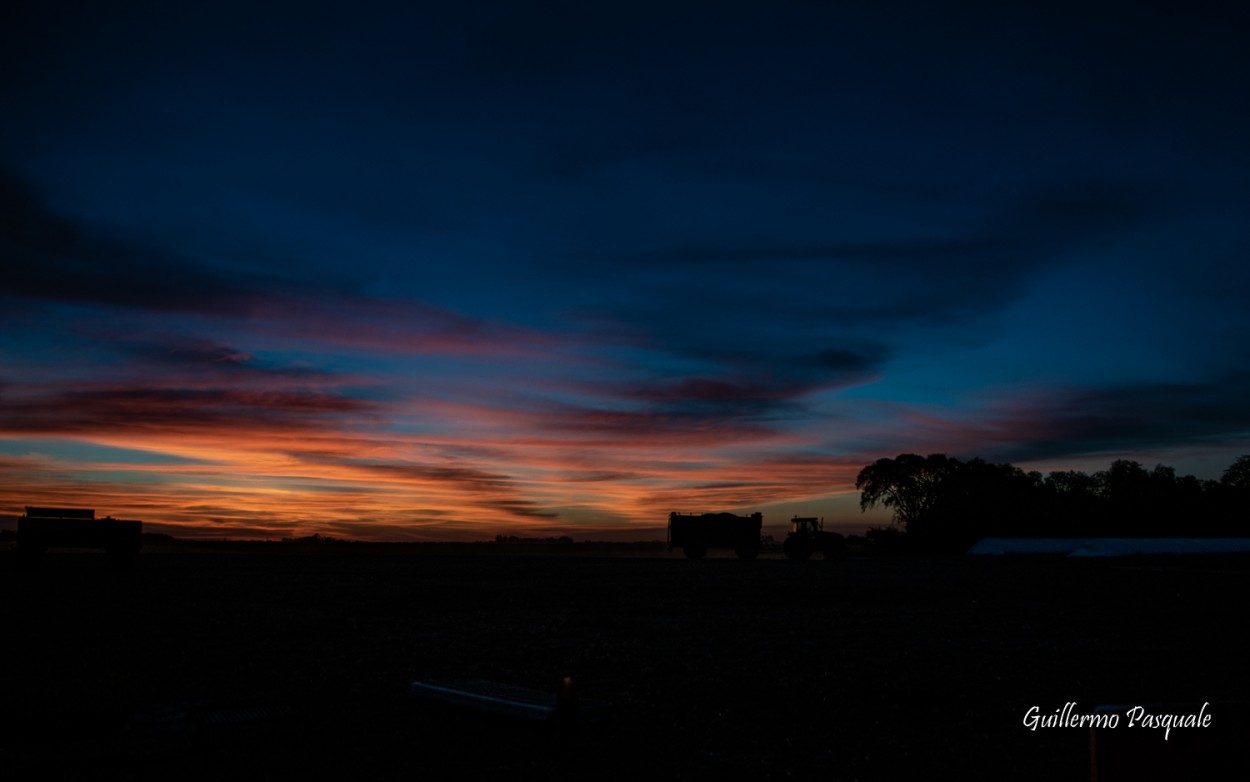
pixel 833 546
pixel 797 548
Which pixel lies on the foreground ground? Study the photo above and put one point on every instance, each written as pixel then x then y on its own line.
pixel 863 669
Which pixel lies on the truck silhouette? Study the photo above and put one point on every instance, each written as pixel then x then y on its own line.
pixel 43 528
pixel 696 533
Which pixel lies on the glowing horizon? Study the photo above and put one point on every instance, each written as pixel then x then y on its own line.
pixel 564 289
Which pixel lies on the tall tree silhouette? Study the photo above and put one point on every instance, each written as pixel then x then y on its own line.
pixel 907 485
pixel 1230 498
pixel 1237 476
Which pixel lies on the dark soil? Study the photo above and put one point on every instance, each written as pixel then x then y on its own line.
pixel 275 665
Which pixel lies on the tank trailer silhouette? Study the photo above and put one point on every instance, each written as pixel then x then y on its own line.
pixel 695 534
pixel 43 528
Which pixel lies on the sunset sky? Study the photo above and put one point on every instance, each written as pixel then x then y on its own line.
pixel 448 270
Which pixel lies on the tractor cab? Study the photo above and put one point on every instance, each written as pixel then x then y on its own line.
pixel 806 525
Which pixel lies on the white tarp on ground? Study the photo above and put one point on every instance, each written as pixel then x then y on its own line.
pixel 1110 547
pixel 1028 545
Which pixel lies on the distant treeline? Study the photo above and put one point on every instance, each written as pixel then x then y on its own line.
pixel 563 540
pixel 942 502
pixel 327 543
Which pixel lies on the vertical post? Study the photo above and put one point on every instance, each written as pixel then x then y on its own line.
pixel 566 708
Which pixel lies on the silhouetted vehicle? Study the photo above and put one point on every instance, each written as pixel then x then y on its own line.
pixel 807 536
pixel 696 533
pixel 44 528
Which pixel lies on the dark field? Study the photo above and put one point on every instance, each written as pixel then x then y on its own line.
pixel 873 669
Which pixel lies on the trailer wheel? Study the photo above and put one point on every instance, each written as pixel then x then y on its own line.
pixel 694 550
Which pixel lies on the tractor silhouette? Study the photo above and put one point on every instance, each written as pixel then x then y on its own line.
pixel 807 536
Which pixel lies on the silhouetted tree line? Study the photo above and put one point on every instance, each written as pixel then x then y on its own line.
pixel 942 502
pixel 316 539
pixel 563 540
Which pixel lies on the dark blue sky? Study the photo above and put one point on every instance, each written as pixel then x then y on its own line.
pixel 425 271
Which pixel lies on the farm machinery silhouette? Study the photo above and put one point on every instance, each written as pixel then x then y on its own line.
pixel 807 536
pixel 43 528
pixel 695 534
